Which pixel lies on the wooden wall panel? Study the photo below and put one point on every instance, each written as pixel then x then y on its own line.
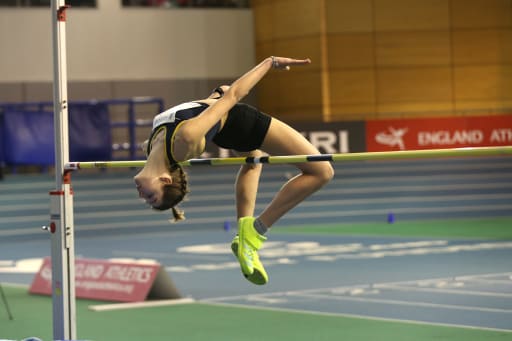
pixel 393 15
pixel 413 48
pixel 349 16
pixel 257 3
pixel 415 109
pixel 481 13
pixel 299 114
pixel 484 88
pixel 349 50
pixel 480 82
pixel 505 88
pixel 299 96
pixel 482 46
pixel 267 92
pixel 299 89
pixel 264 49
pixel 296 18
pixel 351 112
pixel 506 46
pixel 355 86
pixel 388 58
pixel 263 22
pixel 481 107
pixel 426 84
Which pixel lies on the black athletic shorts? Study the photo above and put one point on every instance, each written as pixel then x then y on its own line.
pixel 244 130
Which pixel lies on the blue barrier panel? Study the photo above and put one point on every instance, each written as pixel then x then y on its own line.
pixel 89 132
pixel 2 157
pixel 89 129
pixel 28 137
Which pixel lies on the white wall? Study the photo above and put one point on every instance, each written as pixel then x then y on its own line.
pixel 115 43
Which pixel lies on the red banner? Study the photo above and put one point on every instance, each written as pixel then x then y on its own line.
pixel 438 133
pixel 102 280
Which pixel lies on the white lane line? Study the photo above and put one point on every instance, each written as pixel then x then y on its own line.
pixel 350 287
pixel 347 315
pixel 90 203
pixel 146 304
pixel 443 291
pixel 404 303
pixel 326 214
pixel 321 313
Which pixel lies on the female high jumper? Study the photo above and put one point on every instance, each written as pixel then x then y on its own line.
pixel 180 133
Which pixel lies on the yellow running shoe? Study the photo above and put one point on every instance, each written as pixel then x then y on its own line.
pixel 245 246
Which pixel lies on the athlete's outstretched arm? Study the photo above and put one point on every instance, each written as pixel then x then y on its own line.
pixel 191 133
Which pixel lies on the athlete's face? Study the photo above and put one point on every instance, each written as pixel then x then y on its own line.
pixel 150 189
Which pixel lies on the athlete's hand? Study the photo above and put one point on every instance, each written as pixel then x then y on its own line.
pixel 284 63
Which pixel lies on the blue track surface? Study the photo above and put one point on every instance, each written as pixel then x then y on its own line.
pixel 360 192
pixel 456 282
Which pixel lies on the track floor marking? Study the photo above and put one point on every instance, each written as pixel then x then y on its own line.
pixel 444 291
pixel 358 316
pixel 134 305
pixel 493 317
pixel 327 296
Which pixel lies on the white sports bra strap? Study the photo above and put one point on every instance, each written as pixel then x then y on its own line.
pixel 169 115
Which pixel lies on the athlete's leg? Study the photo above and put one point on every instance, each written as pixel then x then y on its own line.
pixel 281 139
pixel 246 186
pixel 246 190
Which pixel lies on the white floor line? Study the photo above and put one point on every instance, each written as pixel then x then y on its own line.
pixel 136 305
pixel 405 303
pixel 282 293
pixel 437 279
pixel 348 287
pixel 488 281
pixel 311 203
pixel 364 317
pixel 486 275
pixel 443 291
pixel 37 219
pixel 15 285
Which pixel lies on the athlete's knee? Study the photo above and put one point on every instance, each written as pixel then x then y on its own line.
pixel 323 172
pixel 326 173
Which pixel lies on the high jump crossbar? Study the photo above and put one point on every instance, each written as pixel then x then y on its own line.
pixel 368 156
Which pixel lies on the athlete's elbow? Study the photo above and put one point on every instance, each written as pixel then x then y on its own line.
pixel 235 94
pixel 240 95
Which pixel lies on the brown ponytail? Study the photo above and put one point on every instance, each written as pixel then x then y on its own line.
pixel 177 214
pixel 175 192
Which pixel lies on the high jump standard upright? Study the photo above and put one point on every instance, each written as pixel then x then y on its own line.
pixel 61 199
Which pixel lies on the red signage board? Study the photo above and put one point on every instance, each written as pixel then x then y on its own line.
pixel 438 133
pixel 103 280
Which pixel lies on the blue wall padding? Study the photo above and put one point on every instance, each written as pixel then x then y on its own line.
pixel 89 132
pixel 2 157
pixel 27 136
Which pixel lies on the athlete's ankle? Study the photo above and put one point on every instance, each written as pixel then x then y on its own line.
pixel 260 227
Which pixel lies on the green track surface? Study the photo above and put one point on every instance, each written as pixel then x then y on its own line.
pixel 488 228
pixel 197 321
pixel 32 317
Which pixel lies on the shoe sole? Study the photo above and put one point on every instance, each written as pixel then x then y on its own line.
pixel 256 277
